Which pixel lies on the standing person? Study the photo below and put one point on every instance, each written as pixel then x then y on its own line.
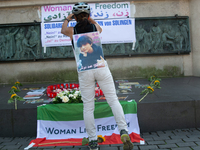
pixel 85 24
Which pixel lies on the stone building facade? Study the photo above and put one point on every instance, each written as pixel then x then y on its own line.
pixel 126 67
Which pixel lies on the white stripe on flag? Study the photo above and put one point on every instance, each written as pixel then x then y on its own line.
pixel 76 129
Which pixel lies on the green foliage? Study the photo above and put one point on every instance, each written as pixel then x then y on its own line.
pixel 85 141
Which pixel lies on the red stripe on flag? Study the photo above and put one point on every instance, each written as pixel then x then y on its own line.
pixel 113 139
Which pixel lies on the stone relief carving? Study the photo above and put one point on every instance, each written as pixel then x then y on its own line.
pixel 153 36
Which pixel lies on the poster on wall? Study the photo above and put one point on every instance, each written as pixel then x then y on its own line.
pixel 51 32
pixel 52 13
pixel 88 51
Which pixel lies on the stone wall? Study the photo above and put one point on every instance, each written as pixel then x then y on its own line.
pixel 195 31
pixel 140 66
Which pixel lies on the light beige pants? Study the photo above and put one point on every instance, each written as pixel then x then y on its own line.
pixel 87 86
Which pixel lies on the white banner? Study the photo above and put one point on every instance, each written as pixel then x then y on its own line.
pixel 114 31
pixel 98 11
pixel 76 129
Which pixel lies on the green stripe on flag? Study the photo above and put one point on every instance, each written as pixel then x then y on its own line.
pixel 72 112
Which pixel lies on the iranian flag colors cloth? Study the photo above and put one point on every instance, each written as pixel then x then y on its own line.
pixel 63 125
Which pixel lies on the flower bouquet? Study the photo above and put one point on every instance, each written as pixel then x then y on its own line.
pixel 14 97
pixel 68 96
pixel 155 83
pixel 100 139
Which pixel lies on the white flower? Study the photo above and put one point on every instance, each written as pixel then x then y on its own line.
pixel 66 91
pixel 71 95
pixel 65 99
pixel 77 92
pixel 60 95
pixel 75 95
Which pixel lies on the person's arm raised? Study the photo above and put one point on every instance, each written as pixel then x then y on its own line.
pixel 96 24
pixel 68 31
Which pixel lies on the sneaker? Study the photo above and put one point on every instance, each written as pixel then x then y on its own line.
pixel 128 145
pixel 93 145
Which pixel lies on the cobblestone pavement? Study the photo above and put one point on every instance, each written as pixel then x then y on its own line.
pixel 179 139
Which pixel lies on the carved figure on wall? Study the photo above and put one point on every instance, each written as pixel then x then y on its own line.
pixel 2 45
pixel 19 38
pixel 170 31
pixel 33 38
pixel 113 48
pixel 27 49
pixel 156 34
pixel 48 52
pixel 139 45
pixel 10 43
pixel 166 39
pixel 178 40
pixel 148 40
pixel 69 52
pixel 184 31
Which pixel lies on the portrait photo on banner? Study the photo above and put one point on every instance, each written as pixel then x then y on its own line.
pixel 88 51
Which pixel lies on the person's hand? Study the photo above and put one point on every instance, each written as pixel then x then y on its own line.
pixel 91 20
pixel 84 53
pixel 69 17
pixel 101 62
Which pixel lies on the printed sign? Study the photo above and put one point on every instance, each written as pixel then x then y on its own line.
pixel 88 51
pixel 114 31
pixel 52 13
pixel 110 10
pixel 51 35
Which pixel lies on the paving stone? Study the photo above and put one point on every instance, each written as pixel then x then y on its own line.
pixel 196 148
pixel 148 139
pixel 194 139
pixel 153 133
pixel 160 132
pixel 68 148
pixel 161 138
pixel 181 148
pixel 10 147
pixel 198 143
pixel 150 136
pixel 174 141
pixel 186 144
pixel 146 133
pixel 169 133
pixel 194 135
pixel 51 149
pixel 147 147
pixel 47 147
pixel 114 145
pixel 178 137
pixel 162 149
pixel 155 142
pixel 10 143
pixel 167 146
pixel 6 140
pixel 121 148
pixel 106 145
pixel 108 148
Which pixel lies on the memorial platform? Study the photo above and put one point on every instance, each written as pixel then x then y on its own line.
pixel 175 106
